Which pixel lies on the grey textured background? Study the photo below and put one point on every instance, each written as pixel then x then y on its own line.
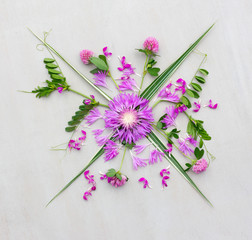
pixel 30 174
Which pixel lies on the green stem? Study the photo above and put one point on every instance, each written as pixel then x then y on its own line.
pixel 122 159
pixel 109 73
pixel 203 60
pixel 144 73
pixel 83 95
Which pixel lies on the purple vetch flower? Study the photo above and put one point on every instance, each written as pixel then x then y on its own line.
pixel 182 108
pixel 169 149
pixel 124 64
pixel 138 162
pixel 183 86
pixel 140 148
pixel 210 105
pixel 87 101
pixel 166 94
pixel 155 155
pixel 60 89
pixel 145 182
pixel 130 117
pixel 91 180
pixel 192 141
pixel 76 144
pixel 151 44
pixel 85 56
pixel 100 79
pixel 165 171
pixel 164 184
pixel 200 166
pixel 184 148
pixel 93 116
pixel 111 150
pixel 92 96
pixel 105 52
pixel 197 106
pixel 171 115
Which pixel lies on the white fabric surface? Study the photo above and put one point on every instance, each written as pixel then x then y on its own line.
pixel 30 174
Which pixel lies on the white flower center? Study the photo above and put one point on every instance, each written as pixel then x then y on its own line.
pixel 129 118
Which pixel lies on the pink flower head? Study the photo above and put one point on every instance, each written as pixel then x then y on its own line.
pixel 114 181
pixel 100 79
pixel 197 106
pixel 200 166
pixel 93 116
pixel 85 56
pixel 155 155
pixel 111 150
pixel 140 148
pixel 171 115
pixel 87 101
pixel 211 105
pixel 145 182
pixel 151 44
pixel 169 149
pixel 130 117
pixel 166 94
pixel 60 89
pixel 106 53
pixel 138 162
pixel 183 86
pixel 184 148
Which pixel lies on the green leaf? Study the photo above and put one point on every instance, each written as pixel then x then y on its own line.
pixel 119 176
pixel 153 71
pixel 160 125
pixel 104 59
pixel 129 146
pixel 111 173
pixel 96 70
pixel 200 79
pixel 204 71
pixel 191 130
pixel 201 143
pixel 143 51
pixel 53 71
pixel 198 153
pixel 192 93
pixel 186 101
pixel 153 88
pixel 196 86
pixel 56 77
pixel 70 129
pixel 99 63
pixel 51 65
pixel 48 60
pixel 161 147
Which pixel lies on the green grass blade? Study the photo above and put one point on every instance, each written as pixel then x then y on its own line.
pixel 153 88
pixel 70 65
pixel 161 147
pixel 98 154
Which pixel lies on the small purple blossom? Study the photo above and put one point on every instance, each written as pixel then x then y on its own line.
pixel 111 150
pixel 87 101
pixel 130 117
pixel 85 56
pixel 171 115
pixel 184 148
pixel 124 64
pixel 100 79
pixel 145 182
pixel 155 155
pixel 166 94
pixel 165 171
pixel 182 108
pixel 138 162
pixel 200 166
pixel 211 105
pixel 114 181
pixel 197 106
pixel 164 184
pixel 183 86
pixel 151 44
pixel 76 144
pixel 169 149
pixel 91 180
pixel 60 89
pixel 105 52
pixel 140 148
pixel 93 116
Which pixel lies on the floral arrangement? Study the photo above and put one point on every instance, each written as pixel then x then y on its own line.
pixel 129 117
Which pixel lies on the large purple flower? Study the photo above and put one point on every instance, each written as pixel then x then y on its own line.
pixel 130 117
